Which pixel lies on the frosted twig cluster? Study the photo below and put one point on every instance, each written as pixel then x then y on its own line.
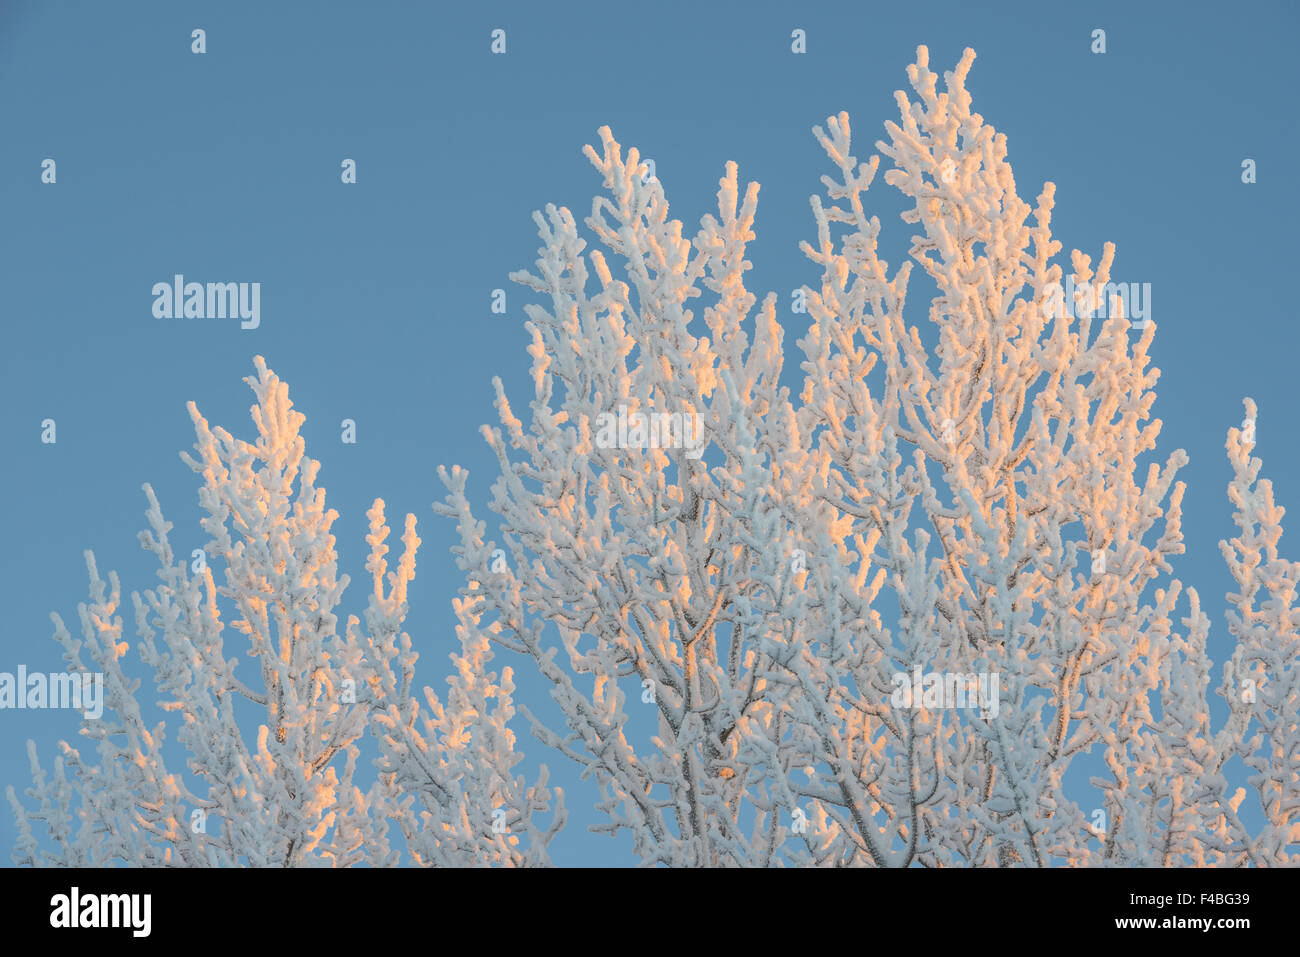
pixel 287 798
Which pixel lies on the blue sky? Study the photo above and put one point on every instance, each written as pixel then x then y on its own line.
pixel 375 296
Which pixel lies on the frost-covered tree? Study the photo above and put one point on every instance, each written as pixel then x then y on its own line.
pixel 922 613
pixel 946 516
pixel 271 777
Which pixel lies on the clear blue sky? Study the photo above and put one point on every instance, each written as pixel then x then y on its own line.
pixel 375 296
